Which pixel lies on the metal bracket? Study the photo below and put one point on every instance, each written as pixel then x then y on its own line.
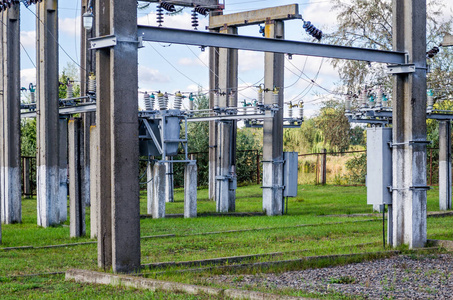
pixel 103 42
pixel 415 187
pixel 401 69
pixel 274 187
pixel 409 143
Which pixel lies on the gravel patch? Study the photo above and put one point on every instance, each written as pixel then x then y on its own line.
pixel 398 277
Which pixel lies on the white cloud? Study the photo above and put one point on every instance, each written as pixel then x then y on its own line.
pixel 27 76
pixel 28 38
pixel 250 60
pixel 201 60
pixel 70 26
pixel 149 76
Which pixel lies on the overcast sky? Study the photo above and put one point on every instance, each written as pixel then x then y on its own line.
pixel 174 68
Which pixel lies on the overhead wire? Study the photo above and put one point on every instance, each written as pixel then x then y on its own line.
pixel 56 40
pixel 26 52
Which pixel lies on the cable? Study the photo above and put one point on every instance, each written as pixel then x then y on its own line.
pixel 56 40
pixel 28 55
pixel 174 66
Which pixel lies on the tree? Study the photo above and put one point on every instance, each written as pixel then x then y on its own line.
pixel 334 126
pixel 368 24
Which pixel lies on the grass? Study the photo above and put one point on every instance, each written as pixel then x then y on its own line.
pixel 319 222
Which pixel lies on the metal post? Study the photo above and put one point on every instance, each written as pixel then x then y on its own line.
pixel 10 141
pixel 324 166
pixel 169 182
pixel 444 165
pixel 117 121
pixel 26 176
pixel 47 114
pixel 409 126
pixel 77 203
pixel 273 127
pixel 88 61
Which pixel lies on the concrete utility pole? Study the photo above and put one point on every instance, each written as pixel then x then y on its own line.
pixel 274 66
pixel 117 125
pixel 213 86
pixel 88 62
pixel 408 209
pixel 444 165
pixel 76 202
pixel 10 176
pixel 226 136
pixel 48 180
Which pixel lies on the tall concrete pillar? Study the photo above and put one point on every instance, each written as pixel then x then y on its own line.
pixel 444 165
pixel 94 197
pixel 273 128
pixel 226 133
pixel 88 61
pixel 409 126
pixel 63 173
pixel 76 201
pixel 48 179
pixel 117 123
pixel 158 199
pixel 10 177
pixel 213 86
pixel 190 190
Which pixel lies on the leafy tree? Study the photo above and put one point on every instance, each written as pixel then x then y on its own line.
pixel 28 137
pixel 334 126
pixel 368 24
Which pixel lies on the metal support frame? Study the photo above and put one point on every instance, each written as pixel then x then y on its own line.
pixel 210 39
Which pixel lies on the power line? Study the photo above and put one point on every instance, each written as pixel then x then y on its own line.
pixel 56 40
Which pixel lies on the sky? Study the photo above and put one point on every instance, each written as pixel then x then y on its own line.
pixel 172 68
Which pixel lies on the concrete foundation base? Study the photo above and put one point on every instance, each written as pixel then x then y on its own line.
pixel 158 201
pixel 190 190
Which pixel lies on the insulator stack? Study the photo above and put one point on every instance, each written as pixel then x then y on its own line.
pixel 160 15
pixel 363 97
pixel 255 106
pixel 371 101
pixel 168 6
pixel 216 100
pixel 32 95
pixel 433 52
pixel 260 96
pixel 153 100
pixel 347 103
pixel 178 101
pixel 166 100
pixel 301 110
pixel 290 110
pixel 379 95
pixel 70 90
pixel 275 96
pixel 92 84
pixel 147 100
pixel 430 99
pixel 161 101
pixel 191 99
pixel 194 19
pixel 231 99
pixel 201 10
pixel 385 100
pixel 312 30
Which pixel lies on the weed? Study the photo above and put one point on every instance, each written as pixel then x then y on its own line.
pixel 343 280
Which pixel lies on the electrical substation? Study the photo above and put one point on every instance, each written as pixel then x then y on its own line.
pixel 102 147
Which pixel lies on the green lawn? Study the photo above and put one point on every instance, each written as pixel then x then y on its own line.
pixel 310 228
